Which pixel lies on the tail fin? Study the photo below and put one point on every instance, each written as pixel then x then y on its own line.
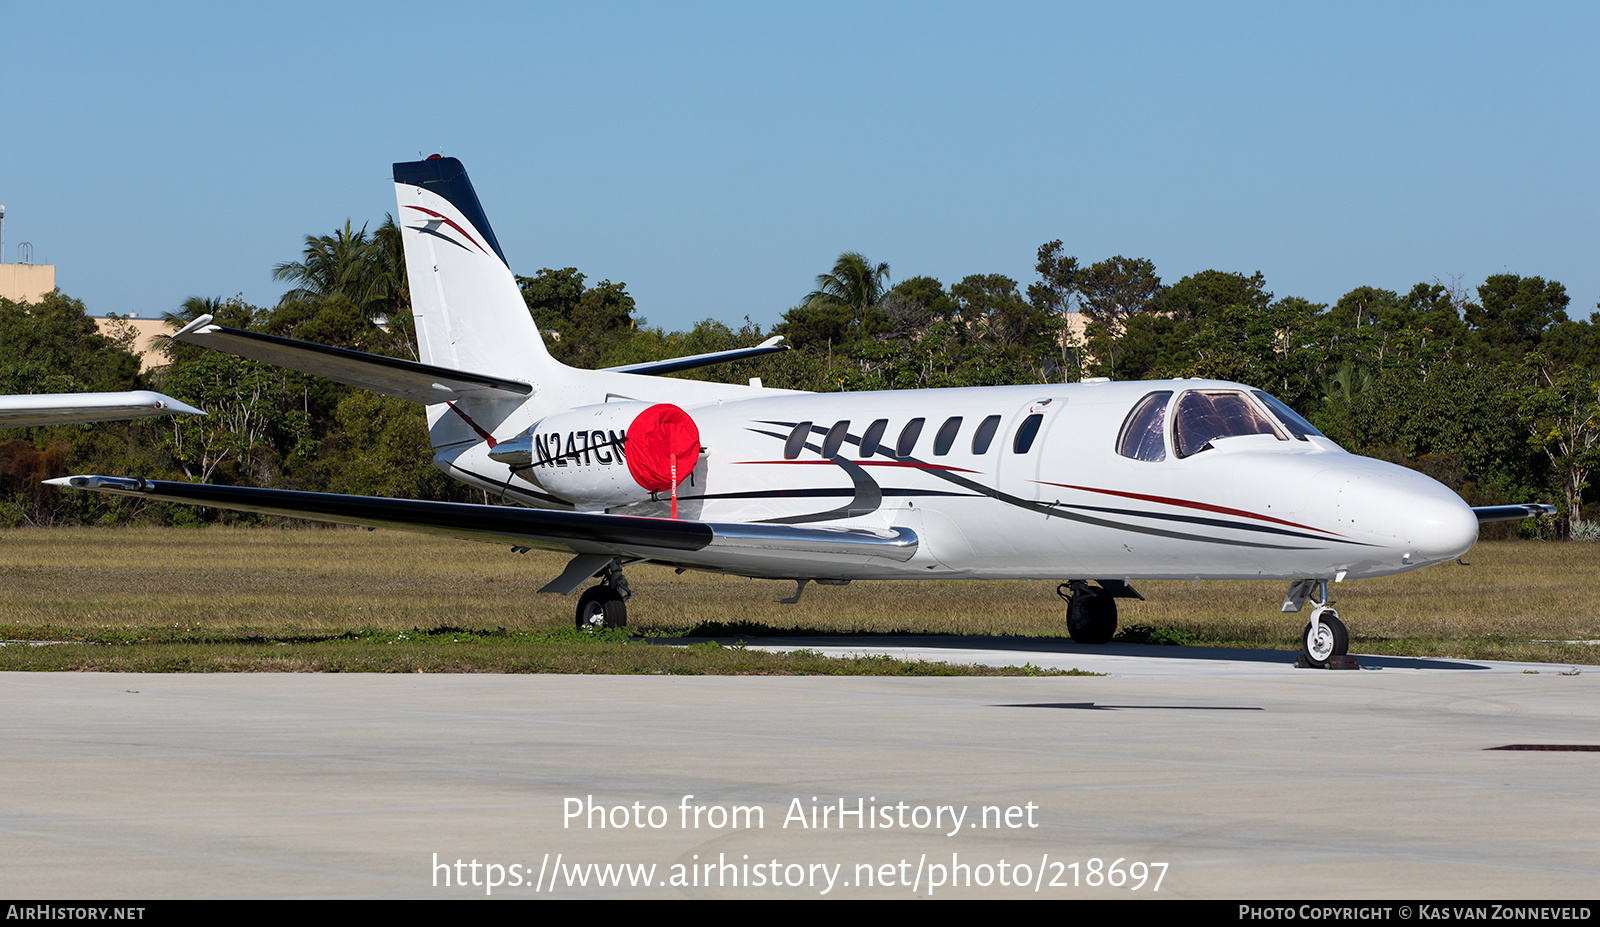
pixel 470 314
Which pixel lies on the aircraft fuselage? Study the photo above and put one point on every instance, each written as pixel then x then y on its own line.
pixel 1010 482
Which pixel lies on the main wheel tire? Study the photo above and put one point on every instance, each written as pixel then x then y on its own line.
pixel 1092 617
pixel 601 607
pixel 1330 641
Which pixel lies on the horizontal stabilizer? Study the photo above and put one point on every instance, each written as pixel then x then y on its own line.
pixel 67 408
pixel 673 365
pixel 1488 513
pixel 745 549
pixel 390 376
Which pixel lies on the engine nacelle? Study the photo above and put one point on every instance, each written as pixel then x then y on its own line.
pixel 615 453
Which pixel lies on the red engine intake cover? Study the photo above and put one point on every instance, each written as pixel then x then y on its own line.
pixel 660 432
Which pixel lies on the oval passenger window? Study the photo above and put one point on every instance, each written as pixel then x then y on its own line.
pixel 835 438
pixel 908 437
pixel 946 436
pixel 797 440
pixel 985 434
pixel 871 437
pixel 1026 433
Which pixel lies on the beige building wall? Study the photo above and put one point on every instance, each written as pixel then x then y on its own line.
pixel 26 282
pixel 150 335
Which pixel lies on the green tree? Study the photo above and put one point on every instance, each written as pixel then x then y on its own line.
pixel 251 417
pixel 53 346
pixel 1056 291
pixel 1514 313
pixel 1200 295
pixel 1269 346
pixel 1010 339
pixel 378 446
pixel 350 291
pixel 855 283
pixel 1111 292
pixel 232 313
pixel 1561 409
pixel 341 264
pixel 842 309
pixel 587 323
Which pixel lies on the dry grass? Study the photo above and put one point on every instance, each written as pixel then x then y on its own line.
pixel 311 584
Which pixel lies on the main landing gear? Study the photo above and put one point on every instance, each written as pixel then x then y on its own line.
pixel 605 605
pixel 1091 611
pixel 1325 643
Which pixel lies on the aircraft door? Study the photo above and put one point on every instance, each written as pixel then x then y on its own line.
pixel 1035 431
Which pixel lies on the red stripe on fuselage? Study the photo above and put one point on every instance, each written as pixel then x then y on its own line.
pixel 867 463
pixel 1185 503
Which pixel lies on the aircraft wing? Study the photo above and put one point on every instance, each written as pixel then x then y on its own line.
pixel 673 365
pixel 778 551
pixel 1488 513
pixel 66 408
pixel 390 376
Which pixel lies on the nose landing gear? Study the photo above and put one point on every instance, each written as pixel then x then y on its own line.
pixel 1325 644
pixel 1325 637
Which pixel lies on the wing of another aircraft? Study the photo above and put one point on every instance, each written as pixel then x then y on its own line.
pixel 744 549
pixel 393 376
pixel 673 365
pixel 390 376
pixel 1489 513
pixel 65 408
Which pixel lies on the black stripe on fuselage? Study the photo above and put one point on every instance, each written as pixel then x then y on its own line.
pixel 1210 522
pixel 829 494
pixel 1056 511
pixel 543 500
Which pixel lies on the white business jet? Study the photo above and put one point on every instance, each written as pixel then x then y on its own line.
pixel 1100 482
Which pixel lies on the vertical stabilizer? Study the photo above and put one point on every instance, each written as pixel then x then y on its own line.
pixel 470 314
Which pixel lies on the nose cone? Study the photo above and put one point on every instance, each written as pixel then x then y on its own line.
pixel 1418 520
pixel 1443 528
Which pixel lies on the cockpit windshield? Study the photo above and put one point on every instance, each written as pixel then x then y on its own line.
pixel 1297 426
pixel 1202 416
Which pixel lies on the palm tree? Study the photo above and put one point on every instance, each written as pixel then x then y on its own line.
pixel 388 282
pixel 341 264
pixel 232 312
pixel 855 284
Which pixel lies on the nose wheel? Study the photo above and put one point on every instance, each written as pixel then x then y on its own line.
pixel 1325 638
pixel 1325 644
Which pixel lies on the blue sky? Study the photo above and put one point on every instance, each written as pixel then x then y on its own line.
pixel 717 157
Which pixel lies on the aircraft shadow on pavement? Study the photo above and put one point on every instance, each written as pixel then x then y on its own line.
pixel 1022 646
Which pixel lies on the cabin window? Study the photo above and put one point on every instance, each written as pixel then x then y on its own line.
pixel 946 436
pixel 797 441
pixel 871 437
pixel 1026 432
pixel 1144 432
pixel 984 436
pixel 835 438
pixel 1205 415
pixel 908 437
pixel 1296 425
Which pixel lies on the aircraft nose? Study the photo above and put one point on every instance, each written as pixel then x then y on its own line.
pixel 1422 520
pixel 1444 529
